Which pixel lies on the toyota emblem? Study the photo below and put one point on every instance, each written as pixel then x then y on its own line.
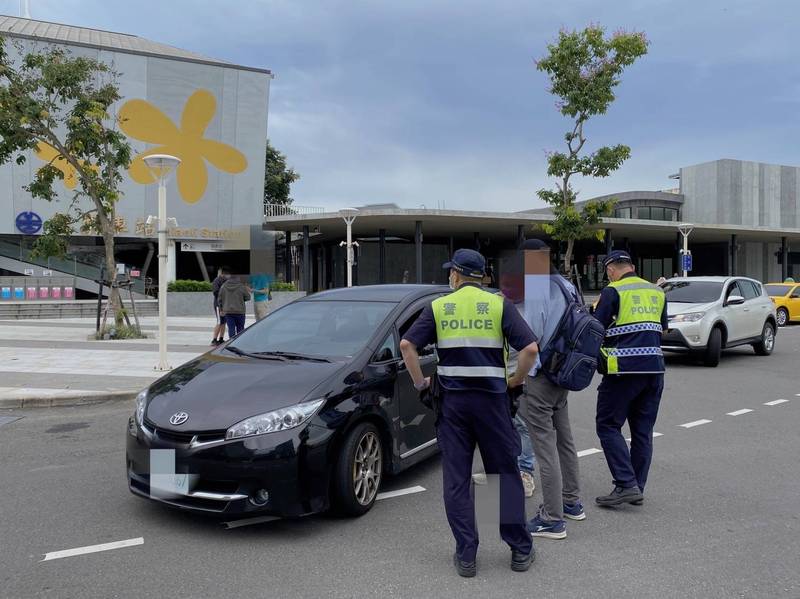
pixel 179 418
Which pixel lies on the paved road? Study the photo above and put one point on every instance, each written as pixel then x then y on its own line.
pixel 721 518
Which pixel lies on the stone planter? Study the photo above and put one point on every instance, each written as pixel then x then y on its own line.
pixel 201 303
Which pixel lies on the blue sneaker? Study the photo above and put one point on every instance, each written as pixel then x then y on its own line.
pixel 574 511
pixel 556 529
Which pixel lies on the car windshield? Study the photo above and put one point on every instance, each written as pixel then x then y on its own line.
pixel 778 290
pixel 327 329
pixel 692 292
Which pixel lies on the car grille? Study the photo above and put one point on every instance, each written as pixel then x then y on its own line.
pixel 184 438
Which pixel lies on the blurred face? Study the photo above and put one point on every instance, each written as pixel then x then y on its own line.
pixel 513 286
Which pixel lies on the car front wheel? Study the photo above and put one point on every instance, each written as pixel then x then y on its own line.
pixel 359 471
pixel 783 317
pixel 714 348
pixel 767 343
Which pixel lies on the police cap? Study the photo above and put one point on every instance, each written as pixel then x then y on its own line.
pixel 468 262
pixel 617 256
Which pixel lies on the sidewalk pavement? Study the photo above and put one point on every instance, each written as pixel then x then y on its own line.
pixel 52 362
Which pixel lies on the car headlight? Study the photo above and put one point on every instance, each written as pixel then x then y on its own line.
pixel 277 420
pixel 141 404
pixel 688 317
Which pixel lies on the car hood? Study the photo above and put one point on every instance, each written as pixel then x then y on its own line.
pixel 217 391
pixel 674 308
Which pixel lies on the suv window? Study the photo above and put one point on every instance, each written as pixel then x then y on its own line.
pixel 733 289
pixel 748 290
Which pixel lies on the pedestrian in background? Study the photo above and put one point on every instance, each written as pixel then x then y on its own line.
pixel 634 314
pixel 232 298
pixel 543 405
pixel 219 328
pixel 259 283
pixel 471 327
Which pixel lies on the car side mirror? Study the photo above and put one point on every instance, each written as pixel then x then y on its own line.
pixel 385 355
pixel 428 350
pixel 735 300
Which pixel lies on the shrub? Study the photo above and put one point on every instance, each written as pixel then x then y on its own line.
pixel 121 332
pixel 281 286
pixel 184 285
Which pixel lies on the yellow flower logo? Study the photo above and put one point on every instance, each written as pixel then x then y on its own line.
pixel 50 155
pixel 141 120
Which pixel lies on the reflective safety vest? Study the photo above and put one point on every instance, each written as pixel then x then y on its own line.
pixel 470 341
pixel 633 342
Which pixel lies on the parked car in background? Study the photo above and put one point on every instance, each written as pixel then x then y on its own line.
pixel 786 297
pixel 710 314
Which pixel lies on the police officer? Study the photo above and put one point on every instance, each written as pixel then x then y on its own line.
pixel 471 328
pixel 634 314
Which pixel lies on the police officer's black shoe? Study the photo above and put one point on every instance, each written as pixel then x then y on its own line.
pixel 465 569
pixel 520 562
pixel 619 496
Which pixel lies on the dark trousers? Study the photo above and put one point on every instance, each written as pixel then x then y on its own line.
pixel 235 324
pixel 635 398
pixel 469 418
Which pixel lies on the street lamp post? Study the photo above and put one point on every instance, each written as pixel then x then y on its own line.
pixel 685 230
pixel 349 215
pixel 161 165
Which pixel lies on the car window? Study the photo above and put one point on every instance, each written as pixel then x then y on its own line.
pixel 733 289
pixel 692 292
pixel 407 320
pixel 333 328
pixel 796 292
pixel 388 349
pixel 778 290
pixel 748 290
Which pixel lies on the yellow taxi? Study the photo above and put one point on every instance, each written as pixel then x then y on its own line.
pixel 786 297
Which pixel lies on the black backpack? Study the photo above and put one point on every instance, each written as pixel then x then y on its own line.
pixel 570 358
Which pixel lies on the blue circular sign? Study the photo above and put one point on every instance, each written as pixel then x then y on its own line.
pixel 29 223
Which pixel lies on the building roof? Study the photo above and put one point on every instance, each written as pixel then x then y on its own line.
pixel 104 40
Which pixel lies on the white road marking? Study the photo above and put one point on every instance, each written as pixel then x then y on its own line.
pixel 776 402
pixel 399 492
pixel 695 423
pixel 657 435
pixel 249 521
pixel 740 412
pixel 93 549
pixel 591 451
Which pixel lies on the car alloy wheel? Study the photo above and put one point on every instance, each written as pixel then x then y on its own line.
pixel 783 317
pixel 367 468
pixel 767 343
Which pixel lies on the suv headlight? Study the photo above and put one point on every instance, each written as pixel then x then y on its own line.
pixel 277 420
pixel 141 404
pixel 688 317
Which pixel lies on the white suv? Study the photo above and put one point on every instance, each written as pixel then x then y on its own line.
pixel 709 314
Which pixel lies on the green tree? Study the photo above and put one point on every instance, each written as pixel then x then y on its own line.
pixel 584 67
pixel 278 178
pixel 59 107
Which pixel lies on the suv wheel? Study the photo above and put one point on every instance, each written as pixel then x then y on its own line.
pixel 767 343
pixel 783 317
pixel 714 348
pixel 359 471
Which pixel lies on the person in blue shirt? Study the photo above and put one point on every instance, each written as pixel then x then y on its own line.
pixel 259 283
pixel 543 406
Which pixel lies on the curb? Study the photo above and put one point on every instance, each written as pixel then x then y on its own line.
pixel 66 399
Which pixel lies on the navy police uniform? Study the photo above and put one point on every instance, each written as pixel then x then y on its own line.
pixel 471 328
pixel 634 314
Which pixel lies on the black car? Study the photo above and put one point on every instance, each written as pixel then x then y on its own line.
pixel 304 410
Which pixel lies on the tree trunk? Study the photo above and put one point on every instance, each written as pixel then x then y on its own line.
pixel 107 229
pixel 568 256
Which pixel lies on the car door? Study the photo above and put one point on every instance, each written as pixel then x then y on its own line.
pixel 755 309
pixel 737 316
pixel 793 303
pixel 417 430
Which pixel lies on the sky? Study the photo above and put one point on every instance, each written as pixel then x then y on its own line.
pixel 438 103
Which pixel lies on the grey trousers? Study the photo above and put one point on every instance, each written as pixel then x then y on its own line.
pixel 543 407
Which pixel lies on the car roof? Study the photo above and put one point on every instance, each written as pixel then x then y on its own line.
pixel 787 284
pixel 709 279
pixel 378 293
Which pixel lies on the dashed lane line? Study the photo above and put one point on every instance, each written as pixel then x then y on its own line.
pixel 740 412
pixel 695 423
pixel 776 402
pixel 399 492
pixel 92 549
pixel 590 451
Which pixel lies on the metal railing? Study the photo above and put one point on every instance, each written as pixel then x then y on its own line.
pixel 271 210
